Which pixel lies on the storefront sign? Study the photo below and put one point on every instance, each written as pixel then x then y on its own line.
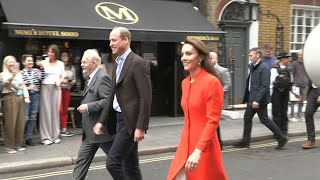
pixel 205 38
pixel 34 32
pixel 116 13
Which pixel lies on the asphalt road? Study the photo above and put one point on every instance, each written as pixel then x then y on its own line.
pixel 260 162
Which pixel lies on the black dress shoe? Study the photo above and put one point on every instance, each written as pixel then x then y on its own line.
pixel 241 145
pixel 281 143
pixel 30 143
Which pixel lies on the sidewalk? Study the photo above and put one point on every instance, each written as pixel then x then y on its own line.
pixel 163 136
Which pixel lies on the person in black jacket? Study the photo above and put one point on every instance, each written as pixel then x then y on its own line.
pixel 280 86
pixel 257 96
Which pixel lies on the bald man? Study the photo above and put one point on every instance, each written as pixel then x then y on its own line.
pixel 225 79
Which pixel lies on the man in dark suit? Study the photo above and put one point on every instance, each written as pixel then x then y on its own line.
pixel 129 108
pixel 257 96
pixel 96 96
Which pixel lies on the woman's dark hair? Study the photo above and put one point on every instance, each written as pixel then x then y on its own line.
pixel 25 56
pixel 202 50
pixel 55 50
pixel 69 63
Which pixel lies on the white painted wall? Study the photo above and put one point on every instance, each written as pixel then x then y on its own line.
pixel 254 34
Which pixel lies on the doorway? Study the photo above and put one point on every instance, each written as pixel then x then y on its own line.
pixel 237 48
pixel 237 37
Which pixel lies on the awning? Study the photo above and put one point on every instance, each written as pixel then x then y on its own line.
pixel 148 20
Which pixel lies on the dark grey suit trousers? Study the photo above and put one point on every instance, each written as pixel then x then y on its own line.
pixel 85 157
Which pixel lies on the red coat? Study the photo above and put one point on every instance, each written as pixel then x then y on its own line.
pixel 202 103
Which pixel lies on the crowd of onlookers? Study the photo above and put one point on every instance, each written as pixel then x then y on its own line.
pixel 36 93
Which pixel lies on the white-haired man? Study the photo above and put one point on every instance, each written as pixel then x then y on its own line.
pixel 96 96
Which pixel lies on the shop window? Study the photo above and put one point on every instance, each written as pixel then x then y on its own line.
pixel 303 20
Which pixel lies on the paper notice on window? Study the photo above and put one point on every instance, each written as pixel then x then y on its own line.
pixel 295 91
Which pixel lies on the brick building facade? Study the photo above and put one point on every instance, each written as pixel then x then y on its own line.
pixel 297 17
pixel 268 23
pixel 284 24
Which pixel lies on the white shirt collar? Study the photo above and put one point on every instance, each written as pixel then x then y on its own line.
pixel 92 74
pixel 256 62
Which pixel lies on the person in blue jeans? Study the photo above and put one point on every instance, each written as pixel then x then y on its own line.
pixel 32 78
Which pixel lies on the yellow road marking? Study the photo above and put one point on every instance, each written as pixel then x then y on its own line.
pixel 144 161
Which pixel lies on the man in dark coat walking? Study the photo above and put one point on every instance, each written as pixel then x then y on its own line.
pixel 257 97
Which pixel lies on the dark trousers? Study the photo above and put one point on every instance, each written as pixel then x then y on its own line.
pixel 311 108
pixel 85 157
pixel 32 110
pixel 123 160
pixel 280 109
pixel 262 112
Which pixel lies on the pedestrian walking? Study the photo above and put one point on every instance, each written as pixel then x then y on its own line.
pixel 280 84
pixel 224 76
pixel 198 155
pixel 313 103
pixel 15 95
pixel 96 96
pixel 129 110
pixel 257 97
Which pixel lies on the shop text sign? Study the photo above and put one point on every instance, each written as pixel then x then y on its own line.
pixel 116 13
pixel 34 32
pixel 205 38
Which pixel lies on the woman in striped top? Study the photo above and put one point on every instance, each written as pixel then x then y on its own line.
pixel 32 78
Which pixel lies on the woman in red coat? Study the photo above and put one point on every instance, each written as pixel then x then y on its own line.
pixel 198 156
